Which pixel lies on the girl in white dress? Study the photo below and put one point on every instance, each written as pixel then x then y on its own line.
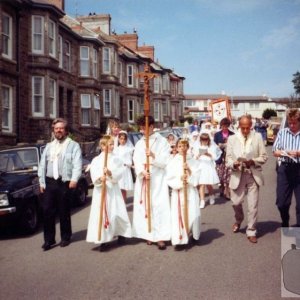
pixel 194 145
pixel 177 172
pixel 125 152
pixel 208 174
pixel 115 220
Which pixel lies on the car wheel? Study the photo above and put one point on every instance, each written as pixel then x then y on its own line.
pixel 29 219
pixel 81 193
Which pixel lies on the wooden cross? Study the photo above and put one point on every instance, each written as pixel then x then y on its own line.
pixel 147 75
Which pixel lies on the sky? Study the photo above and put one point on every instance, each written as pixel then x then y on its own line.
pixel 236 47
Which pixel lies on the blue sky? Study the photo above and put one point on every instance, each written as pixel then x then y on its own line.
pixel 242 47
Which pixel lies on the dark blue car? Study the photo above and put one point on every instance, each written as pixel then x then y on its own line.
pixel 20 199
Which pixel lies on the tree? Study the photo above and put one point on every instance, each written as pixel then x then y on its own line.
pixel 296 82
pixel 268 113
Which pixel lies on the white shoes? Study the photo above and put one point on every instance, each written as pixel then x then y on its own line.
pixel 211 200
pixel 202 203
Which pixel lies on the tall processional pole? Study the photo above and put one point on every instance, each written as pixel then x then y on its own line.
pixel 147 75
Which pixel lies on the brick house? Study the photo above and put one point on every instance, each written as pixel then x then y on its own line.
pixel 52 65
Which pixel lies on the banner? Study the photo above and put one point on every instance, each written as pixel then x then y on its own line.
pixel 220 109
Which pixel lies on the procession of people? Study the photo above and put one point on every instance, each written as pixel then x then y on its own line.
pixel 176 177
pixel 173 176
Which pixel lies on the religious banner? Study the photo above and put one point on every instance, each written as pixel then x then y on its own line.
pixel 220 109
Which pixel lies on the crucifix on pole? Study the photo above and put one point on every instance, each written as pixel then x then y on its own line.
pixel 147 76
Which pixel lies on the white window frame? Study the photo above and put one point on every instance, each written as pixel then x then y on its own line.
pixel 254 105
pixel 156 111
pixel 96 110
pixel 141 106
pixel 174 89
pixel 84 61
pixel 41 95
pixel 130 80
pixel 106 100
pixel 115 62
pixel 130 110
pixel 60 52
pixel 8 108
pixel 39 35
pixel 166 82
pixel 156 83
pixel 173 112
pixel 85 107
pixel 7 37
pixel 164 107
pixel 67 56
pixel 180 87
pixel 117 104
pixel 106 60
pixel 120 71
pixel 52 38
pixel 95 63
pixel 52 98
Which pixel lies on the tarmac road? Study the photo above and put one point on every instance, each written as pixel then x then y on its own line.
pixel 222 266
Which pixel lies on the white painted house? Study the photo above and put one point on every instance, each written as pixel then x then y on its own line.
pixel 199 105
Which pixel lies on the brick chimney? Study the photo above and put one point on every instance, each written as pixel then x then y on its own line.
pixel 96 22
pixel 147 51
pixel 129 40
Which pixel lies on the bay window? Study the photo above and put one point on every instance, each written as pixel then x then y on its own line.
pixel 38 96
pixel 84 61
pixel 85 100
pixel 7 36
pixel 38 34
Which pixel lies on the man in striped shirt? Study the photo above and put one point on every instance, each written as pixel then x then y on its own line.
pixel 287 149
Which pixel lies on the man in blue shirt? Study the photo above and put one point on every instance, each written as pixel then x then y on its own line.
pixel 287 149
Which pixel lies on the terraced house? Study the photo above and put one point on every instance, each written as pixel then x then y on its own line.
pixel 53 65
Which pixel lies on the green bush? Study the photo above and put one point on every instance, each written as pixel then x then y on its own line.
pixel 268 113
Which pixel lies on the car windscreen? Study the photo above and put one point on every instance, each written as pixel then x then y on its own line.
pixel 18 159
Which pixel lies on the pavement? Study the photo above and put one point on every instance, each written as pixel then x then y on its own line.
pixel 222 265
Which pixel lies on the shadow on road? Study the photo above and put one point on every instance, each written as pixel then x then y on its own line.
pixel 79 236
pixel 115 244
pixel 221 200
pixel 267 227
pixel 208 236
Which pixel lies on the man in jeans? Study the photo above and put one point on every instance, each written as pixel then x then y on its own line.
pixel 59 171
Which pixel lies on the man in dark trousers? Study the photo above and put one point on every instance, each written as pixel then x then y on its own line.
pixel 287 149
pixel 59 171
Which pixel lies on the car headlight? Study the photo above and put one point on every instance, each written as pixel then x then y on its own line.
pixel 4 200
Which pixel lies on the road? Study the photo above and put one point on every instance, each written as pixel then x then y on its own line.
pixel 222 266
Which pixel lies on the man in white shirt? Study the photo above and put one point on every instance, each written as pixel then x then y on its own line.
pixel 59 171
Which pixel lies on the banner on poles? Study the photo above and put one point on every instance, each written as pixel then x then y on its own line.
pixel 220 109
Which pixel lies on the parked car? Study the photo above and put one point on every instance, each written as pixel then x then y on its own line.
pixel 272 130
pixel 134 136
pixel 177 131
pixel 94 149
pixel 20 200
